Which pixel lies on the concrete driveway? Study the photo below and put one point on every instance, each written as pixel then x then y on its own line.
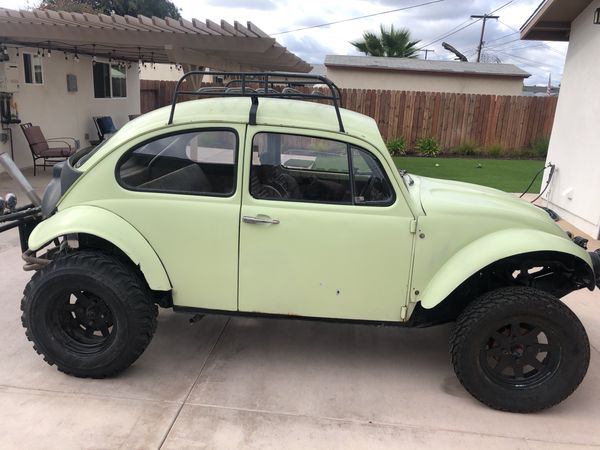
pixel 259 383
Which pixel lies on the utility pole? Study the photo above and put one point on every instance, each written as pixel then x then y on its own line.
pixel 426 50
pixel 484 17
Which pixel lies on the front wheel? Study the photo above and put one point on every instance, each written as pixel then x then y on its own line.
pixel 519 349
pixel 89 314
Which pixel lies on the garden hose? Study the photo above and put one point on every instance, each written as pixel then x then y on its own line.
pixel 550 212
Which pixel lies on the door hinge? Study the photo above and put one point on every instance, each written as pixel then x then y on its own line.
pixel 403 312
pixel 413 226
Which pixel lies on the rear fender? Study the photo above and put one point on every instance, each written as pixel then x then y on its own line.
pixel 486 250
pixel 110 227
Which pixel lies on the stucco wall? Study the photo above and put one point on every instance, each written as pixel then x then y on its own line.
pixel 62 113
pixel 407 81
pixel 574 146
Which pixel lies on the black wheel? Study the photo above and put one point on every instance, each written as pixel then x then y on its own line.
pixel 89 314
pixel 519 349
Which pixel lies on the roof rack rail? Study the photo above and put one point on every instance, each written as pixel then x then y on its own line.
pixel 263 84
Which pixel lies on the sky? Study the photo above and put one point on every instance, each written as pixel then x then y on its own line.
pixel 426 23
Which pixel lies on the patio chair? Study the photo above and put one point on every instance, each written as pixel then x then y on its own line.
pixel 41 147
pixel 105 126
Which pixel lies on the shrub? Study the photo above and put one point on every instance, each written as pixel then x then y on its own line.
pixel 466 149
pixel 494 151
pixel 397 146
pixel 428 146
pixel 539 146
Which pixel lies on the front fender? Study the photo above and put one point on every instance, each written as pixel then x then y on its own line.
pixel 110 227
pixel 485 251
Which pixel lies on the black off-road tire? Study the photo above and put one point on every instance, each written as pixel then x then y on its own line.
pixel 89 314
pixel 519 349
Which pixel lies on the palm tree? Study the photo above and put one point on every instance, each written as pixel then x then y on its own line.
pixel 392 43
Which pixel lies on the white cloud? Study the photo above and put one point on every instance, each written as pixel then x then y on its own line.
pixel 426 23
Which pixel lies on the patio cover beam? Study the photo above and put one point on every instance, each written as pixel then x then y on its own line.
pixel 219 46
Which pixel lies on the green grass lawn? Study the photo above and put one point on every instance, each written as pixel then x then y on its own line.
pixel 506 174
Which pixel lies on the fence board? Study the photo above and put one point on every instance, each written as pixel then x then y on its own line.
pixel 453 119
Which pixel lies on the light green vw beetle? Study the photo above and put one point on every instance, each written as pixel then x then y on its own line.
pixel 288 208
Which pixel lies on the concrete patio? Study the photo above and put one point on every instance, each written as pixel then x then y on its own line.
pixel 257 383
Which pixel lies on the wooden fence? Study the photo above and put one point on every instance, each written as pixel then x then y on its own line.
pixel 453 119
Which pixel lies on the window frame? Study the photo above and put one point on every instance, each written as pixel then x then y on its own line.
pixel 236 159
pixel 110 78
pixel 349 147
pixel 32 67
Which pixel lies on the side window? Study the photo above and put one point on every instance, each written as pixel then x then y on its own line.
pixel 197 162
pixel 300 168
pixel 371 185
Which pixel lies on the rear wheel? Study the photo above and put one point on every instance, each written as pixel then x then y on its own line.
pixel 89 314
pixel 519 349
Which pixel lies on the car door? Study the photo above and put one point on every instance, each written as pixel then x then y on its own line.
pixel 181 191
pixel 323 231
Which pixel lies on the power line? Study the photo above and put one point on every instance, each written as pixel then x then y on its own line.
pixel 358 18
pixel 526 60
pixel 501 37
pixel 454 30
pixel 543 43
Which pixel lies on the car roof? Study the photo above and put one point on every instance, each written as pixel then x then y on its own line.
pixel 271 111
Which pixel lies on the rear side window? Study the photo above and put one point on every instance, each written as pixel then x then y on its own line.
pixel 302 168
pixel 201 162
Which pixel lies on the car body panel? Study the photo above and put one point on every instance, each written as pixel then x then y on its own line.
pixel 195 236
pixel 109 226
pixel 325 260
pixel 466 227
pixel 486 250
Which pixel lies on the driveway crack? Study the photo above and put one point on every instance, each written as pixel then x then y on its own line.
pixel 164 439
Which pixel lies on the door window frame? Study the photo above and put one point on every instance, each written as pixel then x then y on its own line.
pixel 349 146
pixel 236 159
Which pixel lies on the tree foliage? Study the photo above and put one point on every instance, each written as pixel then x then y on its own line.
pixel 158 8
pixel 392 43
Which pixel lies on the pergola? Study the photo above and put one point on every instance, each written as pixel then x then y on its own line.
pixel 149 39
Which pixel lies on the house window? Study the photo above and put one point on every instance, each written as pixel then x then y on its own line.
pixel 32 66
pixel 110 80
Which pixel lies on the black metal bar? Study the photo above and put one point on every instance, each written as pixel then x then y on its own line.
pixel 20 215
pixel 263 78
pixel 253 109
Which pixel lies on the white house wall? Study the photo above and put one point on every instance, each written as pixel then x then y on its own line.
pixel 574 145
pixel 347 77
pixel 62 113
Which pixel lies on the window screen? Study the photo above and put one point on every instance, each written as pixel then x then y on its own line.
pixel 198 162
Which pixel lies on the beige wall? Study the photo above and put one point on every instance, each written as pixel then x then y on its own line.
pixel 407 81
pixel 62 113
pixel 574 145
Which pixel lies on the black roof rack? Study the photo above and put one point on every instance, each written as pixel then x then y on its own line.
pixel 263 84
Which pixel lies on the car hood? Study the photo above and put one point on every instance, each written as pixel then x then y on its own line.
pixel 471 200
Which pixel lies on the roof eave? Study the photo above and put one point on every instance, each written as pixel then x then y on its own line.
pixel 539 27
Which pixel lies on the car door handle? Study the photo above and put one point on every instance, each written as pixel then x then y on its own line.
pixel 259 220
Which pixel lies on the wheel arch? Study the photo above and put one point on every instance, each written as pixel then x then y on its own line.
pixel 105 225
pixel 485 252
